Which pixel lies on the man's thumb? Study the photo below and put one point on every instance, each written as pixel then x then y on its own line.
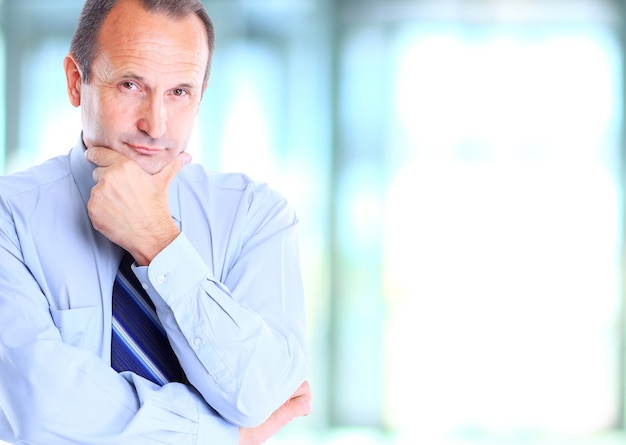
pixel 168 172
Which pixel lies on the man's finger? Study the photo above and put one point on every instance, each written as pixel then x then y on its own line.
pixel 168 172
pixel 102 156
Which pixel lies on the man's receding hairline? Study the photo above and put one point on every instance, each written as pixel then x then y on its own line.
pixel 85 52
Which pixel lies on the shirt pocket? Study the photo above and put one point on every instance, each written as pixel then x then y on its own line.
pixel 80 327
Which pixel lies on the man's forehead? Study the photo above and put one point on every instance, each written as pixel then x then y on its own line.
pixel 128 21
pixel 154 38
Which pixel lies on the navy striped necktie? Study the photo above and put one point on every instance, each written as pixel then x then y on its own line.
pixel 139 342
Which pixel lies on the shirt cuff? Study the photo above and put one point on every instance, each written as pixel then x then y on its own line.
pixel 173 272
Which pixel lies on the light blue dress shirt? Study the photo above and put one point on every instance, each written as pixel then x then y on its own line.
pixel 228 291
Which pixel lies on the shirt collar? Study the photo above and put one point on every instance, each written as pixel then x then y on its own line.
pixel 82 171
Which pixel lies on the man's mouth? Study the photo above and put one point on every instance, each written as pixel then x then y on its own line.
pixel 144 149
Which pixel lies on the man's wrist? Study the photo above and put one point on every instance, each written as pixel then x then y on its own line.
pixel 145 251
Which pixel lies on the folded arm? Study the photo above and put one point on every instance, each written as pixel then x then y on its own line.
pixel 54 388
pixel 241 341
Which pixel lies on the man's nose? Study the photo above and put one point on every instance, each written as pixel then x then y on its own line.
pixel 153 118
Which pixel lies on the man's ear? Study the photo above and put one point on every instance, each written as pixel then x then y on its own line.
pixel 74 79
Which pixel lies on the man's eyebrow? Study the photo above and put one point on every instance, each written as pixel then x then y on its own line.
pixel 132 75
pixel 190 86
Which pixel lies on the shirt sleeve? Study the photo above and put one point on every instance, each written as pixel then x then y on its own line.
pixel 52 392
pixel 241 339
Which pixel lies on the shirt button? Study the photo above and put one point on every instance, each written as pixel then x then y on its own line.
pixel 160 279
pixel 144 285
pixel 197 341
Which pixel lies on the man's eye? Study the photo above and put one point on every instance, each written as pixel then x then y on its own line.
pixel 129 85
pixel 179 91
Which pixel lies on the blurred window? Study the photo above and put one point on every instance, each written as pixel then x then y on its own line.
pixel 456 168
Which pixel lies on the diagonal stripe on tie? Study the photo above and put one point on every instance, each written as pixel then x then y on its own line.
pixel 139 342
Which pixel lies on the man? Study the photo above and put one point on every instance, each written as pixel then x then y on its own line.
pixel 215 253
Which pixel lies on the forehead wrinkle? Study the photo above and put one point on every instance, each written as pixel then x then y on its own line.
pixel 162 52
pixel 102 68
pixel 132 66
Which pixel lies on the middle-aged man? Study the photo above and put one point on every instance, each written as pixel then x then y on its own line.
pixel 216 255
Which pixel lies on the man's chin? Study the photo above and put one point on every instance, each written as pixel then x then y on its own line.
pixel 150 168
pixel 149 164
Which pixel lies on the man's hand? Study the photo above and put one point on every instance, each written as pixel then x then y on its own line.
pixel 129 206
pixel 299 404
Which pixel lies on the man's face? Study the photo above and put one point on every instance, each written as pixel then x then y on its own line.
pixel 145 85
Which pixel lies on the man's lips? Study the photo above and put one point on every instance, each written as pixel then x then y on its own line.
pixel 142 149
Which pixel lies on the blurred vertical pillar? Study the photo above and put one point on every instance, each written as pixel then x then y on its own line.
pixel 333 386
pixel 621 418
pixel 3 86
pixel 355 201
pixel 11 22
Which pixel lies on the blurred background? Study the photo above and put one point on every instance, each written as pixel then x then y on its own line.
pixel 457 167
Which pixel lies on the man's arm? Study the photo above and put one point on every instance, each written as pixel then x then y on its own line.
pixel 55 392
pixel 240 339
pixel 245 359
